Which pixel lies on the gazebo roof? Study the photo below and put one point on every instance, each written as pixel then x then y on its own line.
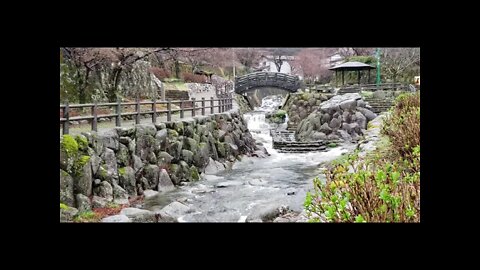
pixel 352 66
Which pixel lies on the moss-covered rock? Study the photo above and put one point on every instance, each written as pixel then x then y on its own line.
pixel 123 155
pixel 151 173
pixel 82 142
pixel 172 133
pixel 194 175
pixel 66 189
pixel 221 149
pixel 126 177
pixel 70 145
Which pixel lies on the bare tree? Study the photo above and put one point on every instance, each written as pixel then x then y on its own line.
pixel 351 51
pixel 248 57
pixel 396 61
pixel 195 56
pixel 113 60
pixel 312 63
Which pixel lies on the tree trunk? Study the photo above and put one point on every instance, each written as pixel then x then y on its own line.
pixel 177 69
pixel 82 95
pixel 112 91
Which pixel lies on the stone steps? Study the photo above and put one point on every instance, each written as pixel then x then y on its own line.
pixel 301 149
pixel 379 105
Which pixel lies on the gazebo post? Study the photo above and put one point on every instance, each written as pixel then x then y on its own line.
pixel 358 74
pixel 343 78
pixel 336 78
pixel 368 76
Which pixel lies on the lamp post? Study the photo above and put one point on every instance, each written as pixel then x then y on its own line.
pixel 378 66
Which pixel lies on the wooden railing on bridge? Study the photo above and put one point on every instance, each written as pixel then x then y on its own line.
pixel 374 87
pixel 223 104
pixel 274 79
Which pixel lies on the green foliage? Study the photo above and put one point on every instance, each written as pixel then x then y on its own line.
pixel 370 60
pixel 384 186
pixel 374 191
pixel 82 142
pixel 69 145
pixel 83 160
pixel 195 176
pixel 280 113
pixel 121 171
pixel 332 145
pixel 63 206
pixel 87 216
pixel 402 126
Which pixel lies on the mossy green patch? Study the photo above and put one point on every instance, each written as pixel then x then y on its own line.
pixel 69 145
pixel 280 113
pixel 82 142
pixel 102 172
pixel 87 216
pixel 195 176
pixel 121 171
pixel 63 206
pixel 172 133
pixel 83 160
pixel 63 173
pixel 331 145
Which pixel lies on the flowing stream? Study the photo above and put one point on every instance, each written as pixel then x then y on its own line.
pixel 253 184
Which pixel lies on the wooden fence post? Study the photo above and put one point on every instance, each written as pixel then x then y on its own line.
pixel 137 109
pixel 211 105
pixel 119 110
pixel 67 120
pixel 181 109
pixel 193 107
pixel 154 109
pixel 94 113
pixel 169 111
pixel 203 106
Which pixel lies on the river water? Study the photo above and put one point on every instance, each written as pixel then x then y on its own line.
pixel 253 185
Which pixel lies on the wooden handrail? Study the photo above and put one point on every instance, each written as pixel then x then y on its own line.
pixel 223 104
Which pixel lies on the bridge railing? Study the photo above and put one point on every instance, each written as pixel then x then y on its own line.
pixel 265 79
pixel 223 104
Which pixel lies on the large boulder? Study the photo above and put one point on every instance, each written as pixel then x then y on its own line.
pixel 66 189
pixel 120 196
pixel 104 190
pixel 116 219
pixel 139 215
pixel 83 178
pixel 151 173
pixel 127 180
pixel 174 210
pixel 83 203
pixel 165 183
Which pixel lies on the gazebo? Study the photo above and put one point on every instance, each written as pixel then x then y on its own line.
pixel 351 66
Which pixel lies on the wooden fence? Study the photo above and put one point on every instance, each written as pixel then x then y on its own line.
pixel 223 104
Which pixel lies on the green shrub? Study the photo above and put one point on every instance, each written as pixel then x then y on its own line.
pixel 402 126
pixel 384 186
pixel 373 191
pixel 87 216
pixel 280 113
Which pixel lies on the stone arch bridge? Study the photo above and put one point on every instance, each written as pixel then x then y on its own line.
pixel 257 80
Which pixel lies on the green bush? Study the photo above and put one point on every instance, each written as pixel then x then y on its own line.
pixel 384 186
pixel 373 191
pixel 402 126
